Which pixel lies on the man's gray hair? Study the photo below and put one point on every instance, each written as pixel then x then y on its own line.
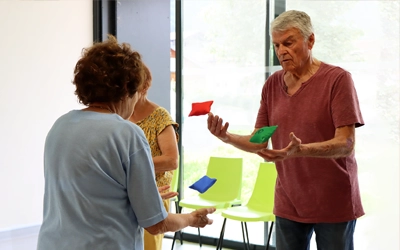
pixel 293 19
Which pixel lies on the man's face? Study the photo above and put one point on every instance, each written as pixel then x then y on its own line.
pixel 292 50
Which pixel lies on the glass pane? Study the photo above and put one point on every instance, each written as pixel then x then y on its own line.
pixel 172 58
pixel 363 37
pixel 223 61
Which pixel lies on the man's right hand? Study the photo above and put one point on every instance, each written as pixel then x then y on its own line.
pixel 216 127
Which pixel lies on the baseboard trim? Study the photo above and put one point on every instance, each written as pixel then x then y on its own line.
pixel 20 232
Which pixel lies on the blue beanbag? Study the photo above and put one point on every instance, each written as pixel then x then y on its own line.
pixel 203 184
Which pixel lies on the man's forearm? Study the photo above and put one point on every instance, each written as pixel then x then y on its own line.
pixel 242 142
pixel 334 148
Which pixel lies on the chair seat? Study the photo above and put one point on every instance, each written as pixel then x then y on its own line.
pixel 197 202
pixel 244 213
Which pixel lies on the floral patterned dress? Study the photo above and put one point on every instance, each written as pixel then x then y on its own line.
pixel 152 126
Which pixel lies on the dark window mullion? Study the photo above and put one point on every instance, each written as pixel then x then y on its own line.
pixel 104 19
pixel 178 86
pixel 97 21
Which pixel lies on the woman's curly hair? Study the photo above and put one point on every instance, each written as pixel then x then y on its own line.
pixel 108 72
pixel 146 81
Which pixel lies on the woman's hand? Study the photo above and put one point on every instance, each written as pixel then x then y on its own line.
pixel 200 218
pixel 167 195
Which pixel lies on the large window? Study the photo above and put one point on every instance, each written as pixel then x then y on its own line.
pixel 363 37
pixel 224 58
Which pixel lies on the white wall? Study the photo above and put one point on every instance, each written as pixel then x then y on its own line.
pixel 40 43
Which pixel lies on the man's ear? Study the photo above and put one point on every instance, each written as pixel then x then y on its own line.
pixel 311 41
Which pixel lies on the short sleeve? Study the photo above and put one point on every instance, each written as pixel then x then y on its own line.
pixel 141 186
pixel 164 119
pixel 345 106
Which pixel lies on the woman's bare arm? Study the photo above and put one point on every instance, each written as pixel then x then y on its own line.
pixel 168 160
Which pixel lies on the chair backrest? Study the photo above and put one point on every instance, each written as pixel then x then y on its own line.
pixel 228 172
pixel 262 197
pixel 175 180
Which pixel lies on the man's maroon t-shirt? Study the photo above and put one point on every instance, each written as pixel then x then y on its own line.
pixel 313 190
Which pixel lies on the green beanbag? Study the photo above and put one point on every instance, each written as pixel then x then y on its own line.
pixel 263 134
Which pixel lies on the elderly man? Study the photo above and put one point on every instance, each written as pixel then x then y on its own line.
pixel 316 109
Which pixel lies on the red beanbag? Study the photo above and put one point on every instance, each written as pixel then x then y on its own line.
pixel 201 108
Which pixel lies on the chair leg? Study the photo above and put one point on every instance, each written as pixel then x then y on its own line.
pixel 269 234
pixel 198 230
pixel 180 237
pixel 178 210
pixel 245 235
pixel 221 235
pixel 173 241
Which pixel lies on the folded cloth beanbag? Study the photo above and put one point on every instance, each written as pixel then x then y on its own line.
pixel 263 134
pixel 201 108
pixel 203 184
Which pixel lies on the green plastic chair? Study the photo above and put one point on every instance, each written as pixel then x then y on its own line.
pixel 258 208
pixel 174 188
pixel 227 189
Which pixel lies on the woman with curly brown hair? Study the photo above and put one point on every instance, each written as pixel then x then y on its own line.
pixel 100 189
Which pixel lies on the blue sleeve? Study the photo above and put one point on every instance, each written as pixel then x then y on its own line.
pixel 142 190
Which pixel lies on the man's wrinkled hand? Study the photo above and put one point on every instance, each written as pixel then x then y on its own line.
pixel 273 155
pixel 216 127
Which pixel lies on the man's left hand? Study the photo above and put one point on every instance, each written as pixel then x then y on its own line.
pixel 281 154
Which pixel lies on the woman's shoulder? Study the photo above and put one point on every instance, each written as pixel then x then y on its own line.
pixel 162 113
pixel 161 110
pixel 163 117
